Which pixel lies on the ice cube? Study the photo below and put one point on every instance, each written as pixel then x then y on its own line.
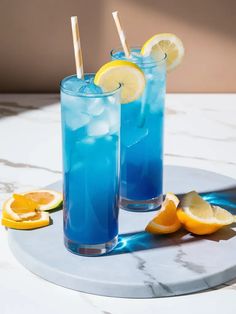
pixel 111 100
pixel 98 127
pixel 157 103
pixel 76 165
pixel 71 105
pixel 88 140
pixel 76 120
pixel 113 119
pixel 90 88
pixel 69 101
pixel 132 134
pixel 95 106
pixel 109 138
pixel 149 76
pixel 73 84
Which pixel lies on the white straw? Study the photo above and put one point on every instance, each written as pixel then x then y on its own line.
pixel 77 47
pixel 121 34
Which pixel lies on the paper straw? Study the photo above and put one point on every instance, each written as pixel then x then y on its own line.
pixel 77 47
pixel 121 34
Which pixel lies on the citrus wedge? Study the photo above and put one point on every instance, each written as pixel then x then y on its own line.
pixel 172 197
pixel 165 43
pixel 19 207
pixel 166 220
pixel 40 219
pixel 126 73
pixel 46 199
pixel 199 217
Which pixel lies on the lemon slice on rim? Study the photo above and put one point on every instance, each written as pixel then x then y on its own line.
pixel 126 73
pixel 199 217
pixel 40 219
pixel 46 199
pixel 166 220
pixel 165 43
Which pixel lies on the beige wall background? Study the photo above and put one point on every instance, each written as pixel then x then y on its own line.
pixel 36 44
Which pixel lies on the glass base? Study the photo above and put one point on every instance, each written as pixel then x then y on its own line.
pixel 141 206
pixel 90 249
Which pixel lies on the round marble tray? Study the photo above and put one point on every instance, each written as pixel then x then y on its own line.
pixel 142 265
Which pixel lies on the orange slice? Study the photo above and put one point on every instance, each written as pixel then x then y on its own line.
pixel 19 207
pixel 40 219
pixel 166 220
pixel 46 199
pixel 172 197
pixel 199 217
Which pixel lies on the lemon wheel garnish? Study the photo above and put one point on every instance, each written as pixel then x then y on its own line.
pixel 46 199
pixel 199 217
pixel 40 219
pixel 165 43
pixel 166 220
pixel 126 73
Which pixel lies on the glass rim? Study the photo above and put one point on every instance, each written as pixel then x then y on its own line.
pixel 79 94
pixel 154 63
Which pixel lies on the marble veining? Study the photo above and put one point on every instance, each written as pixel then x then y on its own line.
pixel 181 259
pixel 7 187
pixel 151 280
pixel 153 266
pixel 209 144
pixel 22 165
pixel 200 158
pixel 228 139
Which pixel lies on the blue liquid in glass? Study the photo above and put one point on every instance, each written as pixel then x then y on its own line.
pixel 142 134
pixel 90 130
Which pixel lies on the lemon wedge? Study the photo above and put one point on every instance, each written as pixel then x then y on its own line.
pixel 166 220
pixel 165 43
pixel 172 197
pixel 40 219
pixel 199 217
pixel 126 73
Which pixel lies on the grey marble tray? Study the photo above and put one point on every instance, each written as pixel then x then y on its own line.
pixel 142 266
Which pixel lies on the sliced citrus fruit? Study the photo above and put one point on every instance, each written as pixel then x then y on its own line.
pixel 40 219
pixel 19 207
pixel 126 73
pixel 199 217
pixel 165 43
pixel 46 199
pixel 166 220
pixel 171 196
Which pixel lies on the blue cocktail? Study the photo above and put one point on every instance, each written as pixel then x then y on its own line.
pixel 142 137
pixel 90 131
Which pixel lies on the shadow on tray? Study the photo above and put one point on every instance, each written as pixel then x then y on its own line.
pixel 140 241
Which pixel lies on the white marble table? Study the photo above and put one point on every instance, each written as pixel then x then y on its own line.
pixel 200 132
